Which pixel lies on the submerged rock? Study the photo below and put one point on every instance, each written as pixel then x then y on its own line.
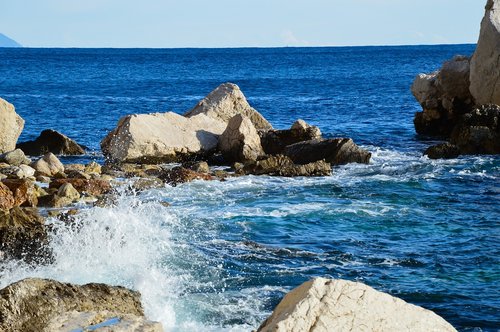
pixel 161 137
pixel 51 141
pixel 240 141
pixel 485 63
pixel 275 141
pixel 337 151
pixel 226 101
pixel 34 305
pixel 280 165
pixel 442 151
pixel 340 305
pixel 11 126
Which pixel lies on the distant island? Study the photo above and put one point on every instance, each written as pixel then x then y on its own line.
pixel 8 42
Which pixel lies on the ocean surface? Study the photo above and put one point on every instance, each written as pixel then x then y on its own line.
pixel 224 253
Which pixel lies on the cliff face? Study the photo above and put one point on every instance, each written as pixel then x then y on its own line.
pixel 8 42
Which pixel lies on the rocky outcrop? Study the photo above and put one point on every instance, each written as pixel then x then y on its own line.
pixel 337 151
pixel 11 126
pixel 240 141
pixel 280 165
pixel 23 191
pixel 444 96
pixel 161 137
pixel 226 101
pixel 340 305
pixel 51 141
pixel 479 132
pixel 178 175
pixel 23 236
pixel 442 151
pixel 15 158
pixel 48 165
pixel 485 63
pixel 275 141
pixel 91 187
pixel 34 305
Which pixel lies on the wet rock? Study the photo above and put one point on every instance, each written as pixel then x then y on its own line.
pixel 24 192
pixel 275 141
pixel 69 192
pixel 6 198
pixel 442 151
pixel 74 167
pixel 485 63
pixel 178 175
pixel 226 101
pixel 51 141
pixel 337 151
pixel 161 137
pixel 147 183
pixel 240 141
pixel 479 132
pixel 77 175
pixel 91 187
pixel 48 165
pixel 280 165
pixel 34 305
pixel 197 166
pixel 23 236
pixel 11 126
pixel 340 305
pixel 15 158
pixel 93 167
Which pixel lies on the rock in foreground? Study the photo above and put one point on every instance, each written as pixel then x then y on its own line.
pixel 339 305
pixel 161 137
pixel 240 141
pixel 51 141
pixel 34 305
pixel 11 126
pixel 226 101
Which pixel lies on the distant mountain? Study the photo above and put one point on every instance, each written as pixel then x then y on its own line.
pixel 7 42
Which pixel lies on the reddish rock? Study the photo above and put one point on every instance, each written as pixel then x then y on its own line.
pixel 178 175
pixel 6 197
pixel 94 187
pixel 24 192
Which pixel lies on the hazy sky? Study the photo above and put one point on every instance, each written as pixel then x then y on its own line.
pixel 233 23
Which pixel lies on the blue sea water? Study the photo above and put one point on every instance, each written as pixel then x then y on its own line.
pixel 224 253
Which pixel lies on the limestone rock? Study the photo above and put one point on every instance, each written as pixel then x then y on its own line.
pixel 15 158
pixel 6 197
pixel 226 101
pixel 240 141
pixel 280 165
pixel 161 137
pixel 442 151
pixel 23 236
pixel 179 175
pixel 275 141
pixel 23 191
pixel 339 305
pixel 337 151
pixel 18 172
pixel 48 165
pixel 34 305
pixel 485 63
pixel 197 166
pixel 92 187
pixel 11 126
pixel 479 132
pixel 51 141
pixel 93 167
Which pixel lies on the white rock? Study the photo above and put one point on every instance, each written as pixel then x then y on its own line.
pixel 339 305
pixel 11 126
pixel 27 170
pixel 48 165
pixel 485 63
pixel 424 87
pixel 226 101
pixel 161 137
pixel 240 141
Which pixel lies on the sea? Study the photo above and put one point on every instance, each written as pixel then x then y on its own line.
pixel 223 254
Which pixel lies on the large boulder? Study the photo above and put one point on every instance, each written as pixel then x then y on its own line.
pixel 337 151
pixel 15 158
pixel 280 165
pixel 48 165
pixel 23 236
pixel 91 187
pixel 11 126
pixel 23 191
pixel 161 137
pixel 240 141
pixel 34 305
pixel 442 151
pixel 178 175
pixel 51 141
pixel 226 101
pixel 444 96
pixel 479 132
pixel 485 63
pixel 340 305
pixel 275 141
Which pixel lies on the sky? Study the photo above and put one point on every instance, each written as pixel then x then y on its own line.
pixel 239 23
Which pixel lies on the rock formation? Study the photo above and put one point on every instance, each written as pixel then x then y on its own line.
pixel 280 165
pixel 275 141
pixel 48 165
pixel 15 158
pixel 485 63
pixel 442 151
pixel 161 137
pixel 226 101
pixel 240 141
pixel 51 141
pixel 11 126
pixel 339 305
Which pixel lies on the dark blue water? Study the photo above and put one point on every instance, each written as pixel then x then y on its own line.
pixel 426 231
